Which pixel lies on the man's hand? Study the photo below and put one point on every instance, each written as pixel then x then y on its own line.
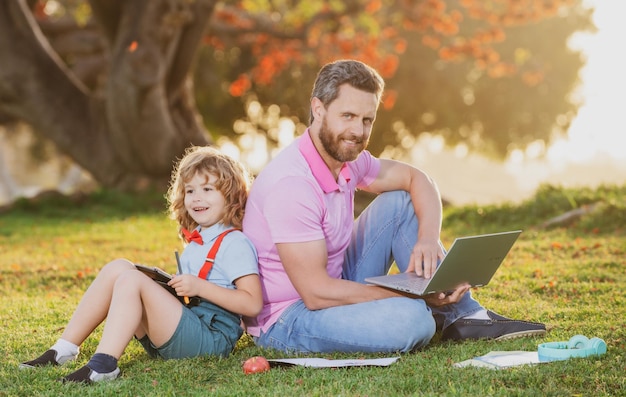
pixel 439 299
pixel 425 258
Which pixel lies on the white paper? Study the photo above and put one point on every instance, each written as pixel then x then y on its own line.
pixel 325 363
pixel 502 359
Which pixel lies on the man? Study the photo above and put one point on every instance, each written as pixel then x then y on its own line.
pixel 314 257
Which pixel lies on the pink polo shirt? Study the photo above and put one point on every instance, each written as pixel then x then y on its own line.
pixel 296 199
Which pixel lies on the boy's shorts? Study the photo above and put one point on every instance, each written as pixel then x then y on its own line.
pixel 203 330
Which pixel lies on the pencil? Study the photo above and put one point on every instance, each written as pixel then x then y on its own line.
pixel 180 271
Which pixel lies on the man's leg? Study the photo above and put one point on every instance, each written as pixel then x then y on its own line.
pixel 387 231
pixel 388 326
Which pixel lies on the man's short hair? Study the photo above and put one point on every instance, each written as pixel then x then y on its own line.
pixel 333 75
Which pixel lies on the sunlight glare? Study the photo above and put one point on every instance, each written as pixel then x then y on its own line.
pixel 286 132
pixel 516 157
pixel 598 130
pixel 255 111
pixel 52 7
pixel 461 150
pixel 256 157
pixel 436 143
pixel 535 149
pixel 230 149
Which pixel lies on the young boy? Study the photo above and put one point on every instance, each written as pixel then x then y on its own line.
pixel 207 196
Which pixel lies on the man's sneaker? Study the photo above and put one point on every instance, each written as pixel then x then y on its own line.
pixel 497 327
pixel 50 357
pixel 88 375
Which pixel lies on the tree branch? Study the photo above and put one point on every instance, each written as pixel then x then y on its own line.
pixel 108 14
pixel 36 86
pixel 137 97
pixel 263 23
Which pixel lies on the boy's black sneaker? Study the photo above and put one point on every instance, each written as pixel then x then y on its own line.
pixel 50 357
pixel 88 375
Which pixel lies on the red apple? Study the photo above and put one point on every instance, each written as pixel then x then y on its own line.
pixel 256 365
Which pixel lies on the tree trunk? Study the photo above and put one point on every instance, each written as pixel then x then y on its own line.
pixel 129 133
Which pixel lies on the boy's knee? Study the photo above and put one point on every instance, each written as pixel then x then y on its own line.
pixel 116 267
pixel 130 280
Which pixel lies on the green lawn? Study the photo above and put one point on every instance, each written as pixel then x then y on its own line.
pixel 570 276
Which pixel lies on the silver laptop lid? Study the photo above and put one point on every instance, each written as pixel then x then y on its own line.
pixel 473 260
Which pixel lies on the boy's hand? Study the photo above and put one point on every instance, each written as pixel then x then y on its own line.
pixel 184 284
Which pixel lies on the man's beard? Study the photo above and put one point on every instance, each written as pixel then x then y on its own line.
pixel 331 144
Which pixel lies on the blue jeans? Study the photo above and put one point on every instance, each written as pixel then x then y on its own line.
pixel 385 232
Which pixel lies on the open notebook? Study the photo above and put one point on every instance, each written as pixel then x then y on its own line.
pixel 161 277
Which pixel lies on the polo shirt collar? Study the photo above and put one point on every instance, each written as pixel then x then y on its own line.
pixel 318 167
pixel 211 232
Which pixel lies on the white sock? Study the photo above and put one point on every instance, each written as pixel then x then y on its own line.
pixel 65 348
pixel 479 315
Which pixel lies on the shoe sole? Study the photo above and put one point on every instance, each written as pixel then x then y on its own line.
pixel 522 334
pixel 107 377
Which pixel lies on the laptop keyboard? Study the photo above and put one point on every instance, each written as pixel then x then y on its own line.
pixel 416 283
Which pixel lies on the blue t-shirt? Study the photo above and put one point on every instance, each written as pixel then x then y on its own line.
pixel 235 258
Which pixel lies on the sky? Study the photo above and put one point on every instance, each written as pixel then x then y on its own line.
pixel 593 153
pixel 599 128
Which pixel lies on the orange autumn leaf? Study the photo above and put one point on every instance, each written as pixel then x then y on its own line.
pixel 240 86
pixel 456 16
pixel 132 46
pixel 497 35
pixel 390 99
pixel 556 245
pixel 373 6
pixel 389 32
pixel 389 66
pixel 446 53
pixel 400 46
pixel 532 79
pixel 346 46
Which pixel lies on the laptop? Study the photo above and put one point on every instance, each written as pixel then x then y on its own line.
pixel 473 260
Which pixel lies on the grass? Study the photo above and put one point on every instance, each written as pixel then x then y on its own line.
pixel 571 277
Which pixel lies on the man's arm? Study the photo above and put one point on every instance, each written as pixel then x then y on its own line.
pixel 305 264
pixel 396 175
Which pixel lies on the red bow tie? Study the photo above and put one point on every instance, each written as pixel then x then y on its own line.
pixel 193 236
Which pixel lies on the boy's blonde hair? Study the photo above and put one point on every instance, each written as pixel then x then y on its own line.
pixel 233 181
